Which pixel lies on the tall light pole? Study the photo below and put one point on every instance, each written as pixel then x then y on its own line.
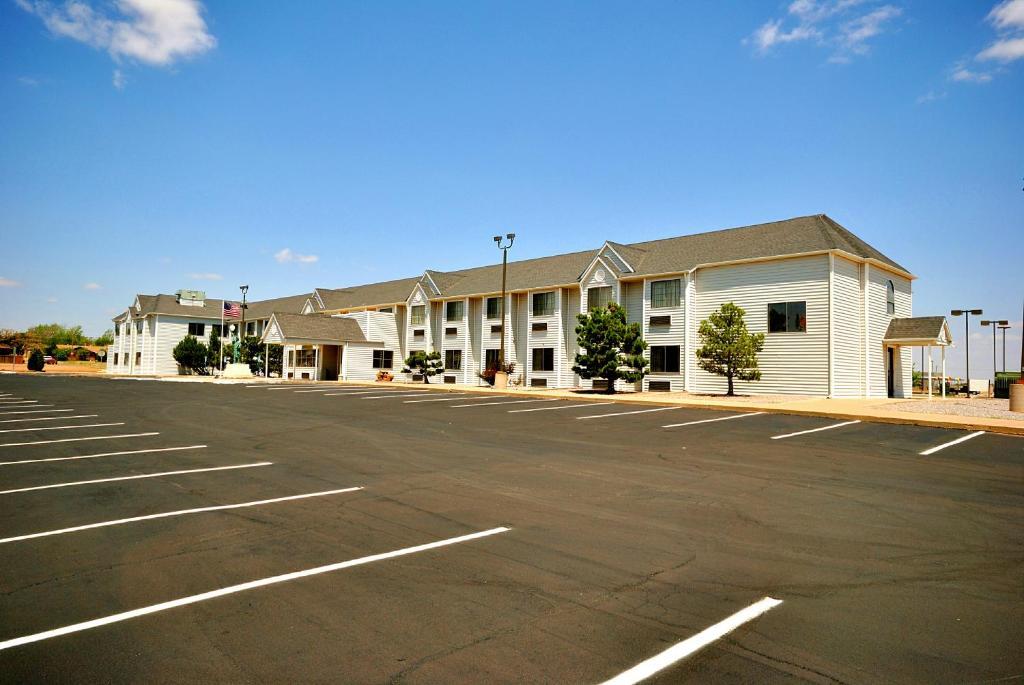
pixel 504 272
pixel 966 313
pixel 1003 325
pixel 994 324
pixel 241 325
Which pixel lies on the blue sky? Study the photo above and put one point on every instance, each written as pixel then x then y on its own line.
pixel 151 145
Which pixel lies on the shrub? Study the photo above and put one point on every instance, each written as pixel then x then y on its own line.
pixel 192 355
pixel 82 354
pixel 610 348
pixel 426 364
pixel 36 362
pixel 62 355
pixel 489 373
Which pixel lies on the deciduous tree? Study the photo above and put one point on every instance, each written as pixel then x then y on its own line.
pixel 727 347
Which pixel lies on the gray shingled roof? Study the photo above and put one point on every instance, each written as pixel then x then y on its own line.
pixel 387 292
pixel 262 309
pixel 318 327
pixel 522 275
pixel 814 233
pixel 915 328
pixel 168 304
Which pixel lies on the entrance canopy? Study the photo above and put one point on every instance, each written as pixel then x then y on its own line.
pixel 921 331
pixel 311 329
pixel 918 331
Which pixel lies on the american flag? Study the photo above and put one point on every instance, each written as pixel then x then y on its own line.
pixel 232 310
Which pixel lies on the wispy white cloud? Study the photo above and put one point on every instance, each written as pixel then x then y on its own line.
pixel 92 286
pixel 1007 19
pixel 153 32
pixel 931 96
pixel 29 81
pixel 51 300
pixel 119 80
pixel 1007 15
pixel 844 26
pixel 286 255
pixel 205 276
pixel 9 283
pixel 1004 50
pixel 963 74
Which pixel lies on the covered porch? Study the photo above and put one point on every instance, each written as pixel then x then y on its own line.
pixel 313 344
pixel 920 331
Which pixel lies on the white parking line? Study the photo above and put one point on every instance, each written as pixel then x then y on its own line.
pixel 393 394
pixel 493 404
pixel 91 437
pixel 626 413
pixel 315 390
pixel 144 475
pixel 179 512
pixel 567 406
pixel 35 411
pixel 19 402
pixel 815 430
pixel 60 428
pixel 51 418
pixel 104 454
pixel 455 397
pixel 943 446
pixel 721 418
pixel 242 587
pixel 645 669
pixel 292 387
pixel 364 392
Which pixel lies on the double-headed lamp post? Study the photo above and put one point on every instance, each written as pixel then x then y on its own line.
pixel 994 324
pixel 1003 325
pixel 967 340
pixel 504 272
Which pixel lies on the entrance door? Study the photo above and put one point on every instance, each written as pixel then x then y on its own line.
pixel 890 377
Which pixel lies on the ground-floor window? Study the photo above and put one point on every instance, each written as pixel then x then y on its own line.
pixel 543 359
pixel 453 360
pixel 383 359
pixel 787 317
pixel 664 358
pixel 301 358
pixel 138 359
pixel 491 359
pixel 115 359
pixel 197 329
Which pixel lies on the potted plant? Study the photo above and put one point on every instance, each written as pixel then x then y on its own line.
pixel 384 376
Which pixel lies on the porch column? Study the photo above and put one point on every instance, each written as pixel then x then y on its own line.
pixel 943 370
pixel 316 362
pixel 266 360
pixel 929 372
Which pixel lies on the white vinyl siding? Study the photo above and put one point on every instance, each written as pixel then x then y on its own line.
pixel 674 333
pixel 791 363
pixel 459 341
pixel 847 340
pixel 549 337
pixel 570 307
pixel 879 319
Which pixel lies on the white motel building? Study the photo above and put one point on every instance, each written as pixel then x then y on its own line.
pixel 836 314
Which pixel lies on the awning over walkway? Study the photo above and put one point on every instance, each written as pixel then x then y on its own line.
pixel 287 328
pixel 918 331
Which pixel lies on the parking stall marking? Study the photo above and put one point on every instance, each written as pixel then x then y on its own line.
pixel 394 394
pixel 136 477
pixel 91 437
pixel 102 454
pixel 494 404
pixel 314 390
pixel 944 445
pixel 720 418
pixel 364 392
pixel 291 387
pixel 242 587
pixel 454 397
pixel 626 413
pixel 179 512
pixel 34 411
pixel 20 402
pixel 815 430
pixel 567 406
pixel 51 418
pixel 60 428
pixel 680 650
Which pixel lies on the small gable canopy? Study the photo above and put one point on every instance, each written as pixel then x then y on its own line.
pixel 918 331
pixel 311 329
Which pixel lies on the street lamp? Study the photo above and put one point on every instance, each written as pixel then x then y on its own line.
pixel 967 341
pixel 993 324
pixel 504 272
pixel 1003 325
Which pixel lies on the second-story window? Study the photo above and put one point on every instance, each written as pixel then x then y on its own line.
pixel 197 329
pixel 890 297
pixel 493 307
pixel 454 310
pixel 598 298
pixel 418 316
pixel 543 304
pixel 665 293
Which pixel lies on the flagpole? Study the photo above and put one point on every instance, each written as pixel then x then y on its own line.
pixel 222 337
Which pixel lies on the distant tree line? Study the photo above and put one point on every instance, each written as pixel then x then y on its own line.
pixel 47 336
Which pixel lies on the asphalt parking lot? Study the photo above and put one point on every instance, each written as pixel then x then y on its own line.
pixel 184 532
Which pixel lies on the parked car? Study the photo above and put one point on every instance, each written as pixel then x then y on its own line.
pixel 48 359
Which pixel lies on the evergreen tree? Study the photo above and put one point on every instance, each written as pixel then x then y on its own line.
pixel 192 355
pixel 426 364
pixel 36 361
pixel 727 347
pixel 213 347
pixel 610 348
